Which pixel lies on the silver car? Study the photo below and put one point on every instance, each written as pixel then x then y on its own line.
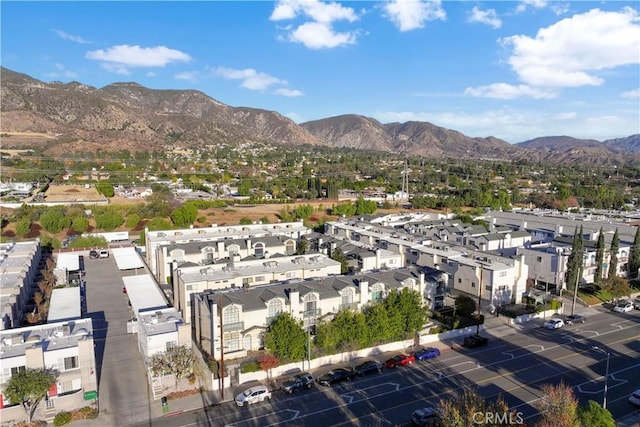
pixel 253 395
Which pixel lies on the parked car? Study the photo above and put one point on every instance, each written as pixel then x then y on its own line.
pixel 426 353
pixel 636 303
pixel 623 307
pixel 103 253
pixel 369 367
pixel 298 382
pixel 426 417
pixel 93 254
pixel 335 376
pixel 575 318
pixel 473 341
pixel 553 324
pixel 635 397
pixel 400 360
pixel 253 395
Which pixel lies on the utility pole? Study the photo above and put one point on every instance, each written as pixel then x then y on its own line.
pixel 221 348
pixel 575 290
pixel 479 301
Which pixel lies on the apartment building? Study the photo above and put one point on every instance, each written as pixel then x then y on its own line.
pixel 20 264
pixel 67 349
pixel 234 273
pixel 244 315
pixel 211 243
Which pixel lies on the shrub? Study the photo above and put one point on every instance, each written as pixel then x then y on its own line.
pixel 252 366
pixel 62 418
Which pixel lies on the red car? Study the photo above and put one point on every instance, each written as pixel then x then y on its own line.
pixel 400 360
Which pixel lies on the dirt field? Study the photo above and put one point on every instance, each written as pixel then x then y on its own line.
pixel 72 193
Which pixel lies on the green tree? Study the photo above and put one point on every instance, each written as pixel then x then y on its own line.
pixel 245 220
pixel 109 220
pixel 465 306
pixel 346 332
pixel 23 226
pixel 105 189
pixel 303 211
pixel 178 361
pixel 302 245
pixel 184 216
pixel 28 388
pixel 613 263
pixel 634 255
pixel 80 224
pixel 365 207
pixel 346 209
pixel 286 339
pixel 377 321
pixel 558 407
pixel 574 263
pixel 55 220
pixel 338 255
pixel 159 224
pixel 132 220
pixel 599 258
pixel 594 415
pixel 618 287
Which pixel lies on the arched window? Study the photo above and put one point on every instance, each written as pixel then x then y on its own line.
pixel 347 295
pixel 290 246
pixel 275 308
pixel 177 255
pixel 259 250
pixel 230 314
pixel 377 292
pixel 233 250
pixel 310 304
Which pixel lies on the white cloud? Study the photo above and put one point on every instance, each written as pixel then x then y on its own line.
pixel 517 126
pixel 536 4
pixel 61 71
pixel 288 92
pixel 67 36
pixel 319 35
pixel 488 17
pixel 559 8
pixel 631 94
pixel 409 15
pixel 566 116
pixel 251 79
pixel 136 56
pixel 507 91
pixel 317 10
pixel 572 51
pixel 150 74
pixel 115 68
pixel 190 76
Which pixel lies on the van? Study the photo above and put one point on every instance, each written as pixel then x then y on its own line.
pixel 636 303
pixel 103 253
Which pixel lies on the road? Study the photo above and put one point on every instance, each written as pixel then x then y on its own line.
pixel 514 367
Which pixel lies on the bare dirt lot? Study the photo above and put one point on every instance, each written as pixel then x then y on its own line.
pixel 72 193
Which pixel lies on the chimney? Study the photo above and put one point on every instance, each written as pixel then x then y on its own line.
pixel 364 292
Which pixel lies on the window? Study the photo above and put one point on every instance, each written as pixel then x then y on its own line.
pixel 247 280
pixel 502 274
pixel 310 303
pixel 189 287
pixel 347 295
pixel 231 315
pixel 71 363
pixel 459 280
pixel 170 345
pixel 259 250
pixel 17 369
pixel 275 307
pixel 539 259
pixel 473 284
pixel 231 341
pixel 234 250
pixel 177 255
pixel 290 247
pixel 377 292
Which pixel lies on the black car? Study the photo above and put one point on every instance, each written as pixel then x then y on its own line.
pixel 298 382
pixel 369 367
pixel 575 318
pixel 473 341
pixel 93 254
pixel 336 376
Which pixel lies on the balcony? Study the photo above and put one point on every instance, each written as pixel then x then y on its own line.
pixel 230 327
pixel 349 306
pixel 313 312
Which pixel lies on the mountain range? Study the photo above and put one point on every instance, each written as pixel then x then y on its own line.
pixel 70 117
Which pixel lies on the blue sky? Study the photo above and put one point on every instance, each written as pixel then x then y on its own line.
pixel 511 69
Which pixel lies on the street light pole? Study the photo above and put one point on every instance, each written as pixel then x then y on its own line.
pixel 479 301
pixel 606 375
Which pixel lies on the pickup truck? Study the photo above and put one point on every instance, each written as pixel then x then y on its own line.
pixel 473 341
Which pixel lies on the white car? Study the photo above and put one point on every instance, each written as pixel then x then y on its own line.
pixel 623 307
pixel 252 395
pixel 553 324
pixel 635 397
